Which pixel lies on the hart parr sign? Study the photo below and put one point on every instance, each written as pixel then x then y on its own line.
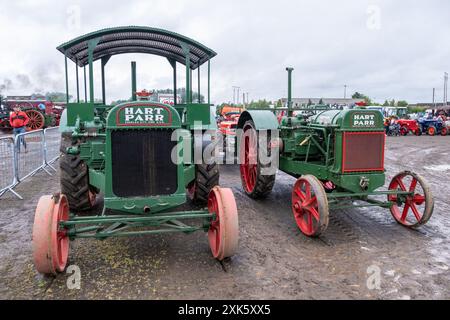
pixel 367 120
pixel 144 115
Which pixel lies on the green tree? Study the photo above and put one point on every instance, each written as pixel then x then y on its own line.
pixel 392 103
pixel 279 104
pixel 402 103
pixel 321 101
pixel 386 103
pixel 57 96
pixel 358 95
pixel 260 104
pixel 309 102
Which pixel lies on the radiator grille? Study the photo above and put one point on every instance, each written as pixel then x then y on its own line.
pixel 141 163
pixel 363 151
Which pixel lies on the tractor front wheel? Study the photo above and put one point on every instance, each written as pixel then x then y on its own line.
pixel 256 182
pixel 431 131
pixel 444 131
pixel 50 242
pixel 223 233
pixel 411 210
pixel 310 206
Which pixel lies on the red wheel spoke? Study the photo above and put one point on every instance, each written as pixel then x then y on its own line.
pixel 308 191
pixel 315 213
pixel 299 193
pixel 416 212
pixel 405 212
pixel 310 202
pixel 413 185
pixel 400 183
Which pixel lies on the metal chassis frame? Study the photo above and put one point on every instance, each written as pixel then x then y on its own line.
pixel 105 226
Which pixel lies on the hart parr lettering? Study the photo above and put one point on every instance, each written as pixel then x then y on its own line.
pixel 140 115
pixel 363 120
pixel 143 116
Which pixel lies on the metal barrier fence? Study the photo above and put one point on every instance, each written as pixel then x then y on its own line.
pixel 25 155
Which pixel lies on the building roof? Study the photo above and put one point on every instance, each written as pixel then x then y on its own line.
pixel 136 39
pixel 330 101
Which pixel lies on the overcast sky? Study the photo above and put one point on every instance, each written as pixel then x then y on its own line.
pixel 385 49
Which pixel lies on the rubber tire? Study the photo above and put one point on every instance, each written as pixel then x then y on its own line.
pixel 404 131
pixel 428 130
pixel 444 131
pixel 264 183
pixel 74 177
pixel 207 176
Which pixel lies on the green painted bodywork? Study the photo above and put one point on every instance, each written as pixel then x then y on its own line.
pixel 263 119
pixel 91 125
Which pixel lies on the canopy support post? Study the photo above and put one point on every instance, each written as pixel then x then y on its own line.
pixel 104 62
pixel 173 63
pixel 209 79
pixel 198 84
pixel 67 79
pixel 186 51
pixel 78 82
pixel 91 46
pixel 133 80
pixel 85 85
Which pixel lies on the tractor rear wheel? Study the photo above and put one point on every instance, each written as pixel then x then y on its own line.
pixel 444 131
pixel 206 177
pixel 223 233
pixel 310 206
pixel 75 178
pixel 411 210
pixel 431 130
pixel 255 183
pixel 50 242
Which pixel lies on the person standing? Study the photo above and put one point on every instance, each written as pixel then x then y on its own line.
pixel 19 120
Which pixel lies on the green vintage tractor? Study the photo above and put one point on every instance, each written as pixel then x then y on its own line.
pixel 138 154
pixel 338 158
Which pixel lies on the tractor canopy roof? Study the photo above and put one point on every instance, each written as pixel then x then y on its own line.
pixel 136 39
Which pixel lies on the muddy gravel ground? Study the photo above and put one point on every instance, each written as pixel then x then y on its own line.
pixel 274 261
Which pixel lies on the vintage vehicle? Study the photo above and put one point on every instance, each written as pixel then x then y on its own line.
pixel 409 126
pixel 433 126
pixel 128 153
pixel 42 113
pixel 337 157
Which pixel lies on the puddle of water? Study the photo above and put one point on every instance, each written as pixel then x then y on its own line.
pixel 441 167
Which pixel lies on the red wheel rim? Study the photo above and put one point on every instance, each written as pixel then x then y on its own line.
pixel 444 131
pixel 407 210
pixel 223 233
pixel 215 232
pixel 50 242
pixel 36 120
pixel 431 131
pixel 249 167
pixel 305 207
pixel 60 240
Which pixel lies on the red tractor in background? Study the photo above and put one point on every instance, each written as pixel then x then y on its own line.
pixel 227 123
pixel 409 125
pixel 42 113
